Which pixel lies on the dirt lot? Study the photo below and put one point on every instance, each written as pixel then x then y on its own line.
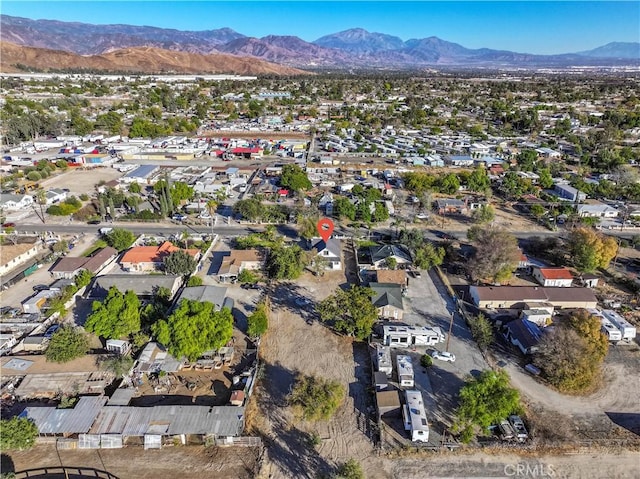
pixel 82 181
pixel 134 462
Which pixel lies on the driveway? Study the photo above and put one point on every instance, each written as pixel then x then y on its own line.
pixel 428 304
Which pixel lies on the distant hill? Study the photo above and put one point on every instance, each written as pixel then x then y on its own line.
pixel 88 39
pixel 16 58
pixel 630 50
pixel 353 48
pixel 358 41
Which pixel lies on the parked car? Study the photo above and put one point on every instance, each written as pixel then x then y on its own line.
pixel 444 356
pixel 40 287
pixel 8 225
pixel 51 331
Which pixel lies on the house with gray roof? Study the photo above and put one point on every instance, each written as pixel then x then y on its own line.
pixel 379 255
pixel 143 285
pixel 10 202
pixel 210 294
pixel 387 299
pixel 330 251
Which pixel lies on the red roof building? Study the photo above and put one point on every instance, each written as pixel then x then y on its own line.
pixel 558 277
pixel 149 258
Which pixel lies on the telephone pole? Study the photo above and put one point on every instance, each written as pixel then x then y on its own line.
pixel 450 329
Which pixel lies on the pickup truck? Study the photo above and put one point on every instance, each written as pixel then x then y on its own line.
pixel 518 426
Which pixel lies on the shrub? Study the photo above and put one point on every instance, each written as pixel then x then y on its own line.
pixel 426 361
pixel 315 399
pixel 194 281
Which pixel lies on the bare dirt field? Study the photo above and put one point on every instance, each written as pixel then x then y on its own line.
pixel 82 181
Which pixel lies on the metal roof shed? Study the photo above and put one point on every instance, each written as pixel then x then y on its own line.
pixel 66 421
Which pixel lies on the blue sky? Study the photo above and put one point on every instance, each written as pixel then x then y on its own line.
pixel 542 27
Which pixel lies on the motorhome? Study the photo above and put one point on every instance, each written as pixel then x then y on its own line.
pixel 404 368
pixel 415 417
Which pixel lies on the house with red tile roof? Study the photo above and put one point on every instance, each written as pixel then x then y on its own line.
pixel 558 277
pixel 150 258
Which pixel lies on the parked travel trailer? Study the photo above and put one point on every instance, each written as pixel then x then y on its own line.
pixel 608 329
pixel 383 360
pixel 404 368
pixel 402 336
pixel 627 330
pixel 415 417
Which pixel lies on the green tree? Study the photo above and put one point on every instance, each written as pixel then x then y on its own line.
pixel 294 178
pixel 590 250
pixel 343 208
pixel 194 281
pixel 17 433
pixel 66 344
pixel 115 317
pixel 426 361
pixel 478 180
pixel 285 262
pixel 545 180
pixel 484 401
pixel 120 239
pixel 481 331
pixel 427 256
pixel 258 321
pixel 247 276
pixel 307 226
pixel 83 278
pixel 484 214
pixel 496 255
pixel 34 176
pixel 391 262
pixel 449 184
pixel 315 399
pixel 537 211
pixel 193 328
pixel 350 312
pixel 180 262
pixel 135 188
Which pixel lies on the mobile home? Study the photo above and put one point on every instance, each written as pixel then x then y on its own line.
pixel 415 417
pixel 405 371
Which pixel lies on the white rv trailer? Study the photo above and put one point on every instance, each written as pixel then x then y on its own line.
pixel 608 329
pixel 626 328
pixel 403 336
pixel 405 371
pixel 383 360
pixel 415 417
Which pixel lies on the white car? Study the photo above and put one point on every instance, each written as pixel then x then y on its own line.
pixel 444 356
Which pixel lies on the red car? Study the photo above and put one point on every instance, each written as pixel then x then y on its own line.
pixel 8 225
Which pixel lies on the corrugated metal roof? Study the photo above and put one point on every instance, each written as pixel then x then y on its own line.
pixel 66 421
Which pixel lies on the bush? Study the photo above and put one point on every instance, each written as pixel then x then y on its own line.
pixel 194 281
pixel 315 399
pixel 350 470
pixel 84 197
pixel 66 344
pixel 247 276
pixel 34 176
pixel 426 361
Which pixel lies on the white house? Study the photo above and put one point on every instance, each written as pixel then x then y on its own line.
pixel 55 195
pixel 15 202
pixel 599 210
pixel 558 277
pixel 330 251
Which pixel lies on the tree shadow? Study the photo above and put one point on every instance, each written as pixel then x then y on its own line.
pixel 6 464
pixel 289 448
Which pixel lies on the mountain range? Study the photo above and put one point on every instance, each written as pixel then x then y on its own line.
pixel 354 48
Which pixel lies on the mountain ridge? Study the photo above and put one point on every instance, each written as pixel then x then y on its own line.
pixel 350 48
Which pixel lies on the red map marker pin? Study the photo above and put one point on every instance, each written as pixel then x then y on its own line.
pixel 325 228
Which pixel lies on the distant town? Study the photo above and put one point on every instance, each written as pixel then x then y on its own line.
pixel 165 284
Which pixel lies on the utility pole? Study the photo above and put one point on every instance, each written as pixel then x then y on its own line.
pixel 450 329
